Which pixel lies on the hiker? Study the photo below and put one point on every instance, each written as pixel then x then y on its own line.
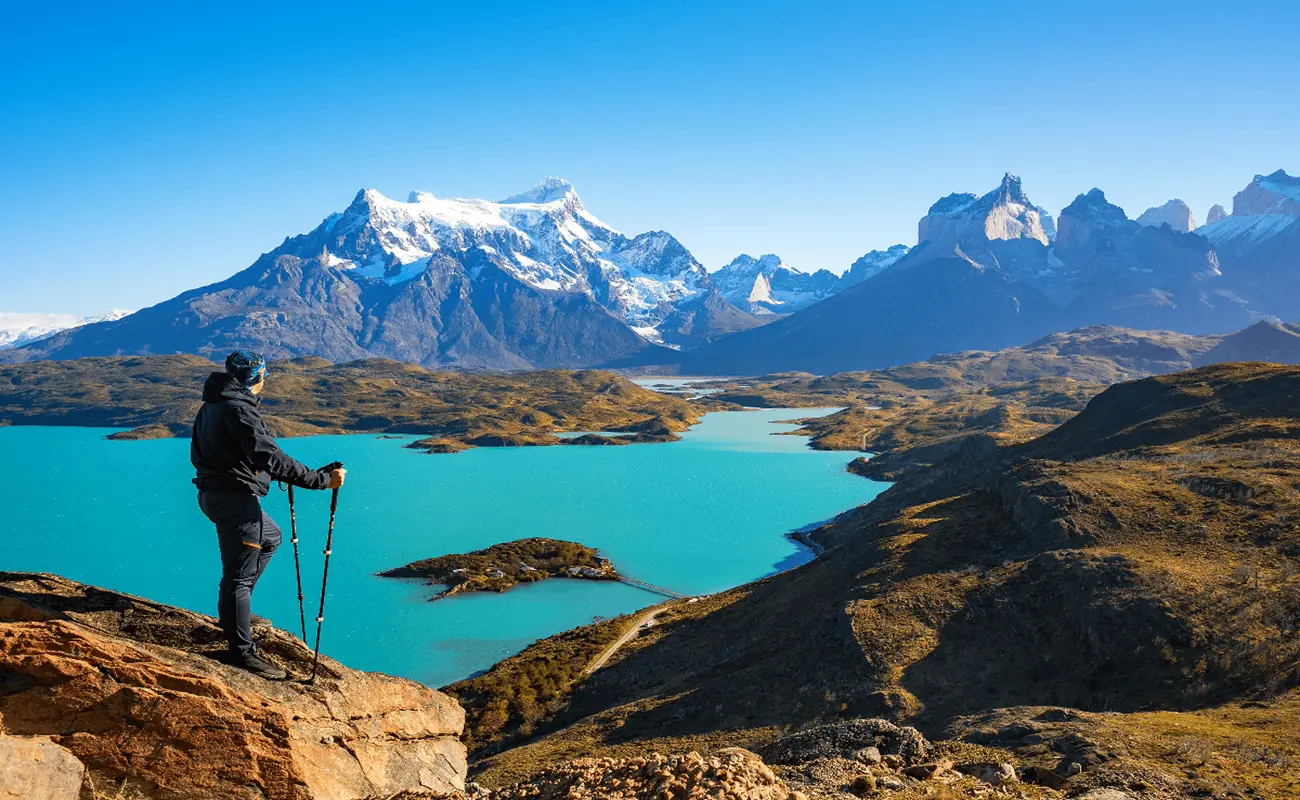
pixel 236 459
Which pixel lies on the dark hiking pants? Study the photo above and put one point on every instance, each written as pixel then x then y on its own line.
pixel 248 538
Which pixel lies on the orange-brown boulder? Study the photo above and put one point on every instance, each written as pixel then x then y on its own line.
pixel 137 692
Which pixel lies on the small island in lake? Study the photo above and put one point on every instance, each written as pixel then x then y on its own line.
pixel 502 566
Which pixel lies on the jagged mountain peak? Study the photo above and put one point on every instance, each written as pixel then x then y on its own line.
pixel 1280 176
pixel 1010 191
pixel 549 190
pixel 768 263
pixel 1082 219
pixel 1174 213
pixel 768 285
pixel 1002 214
pixel 1093 203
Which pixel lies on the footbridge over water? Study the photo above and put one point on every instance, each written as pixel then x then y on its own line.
pixel 650 587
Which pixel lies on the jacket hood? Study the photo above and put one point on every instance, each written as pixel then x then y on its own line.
pixel 221 386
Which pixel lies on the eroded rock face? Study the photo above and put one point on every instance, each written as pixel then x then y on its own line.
pixel 135 691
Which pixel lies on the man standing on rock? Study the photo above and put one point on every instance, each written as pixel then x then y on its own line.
pixel 236 460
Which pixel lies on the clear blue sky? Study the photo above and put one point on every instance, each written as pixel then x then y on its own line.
pixel 147 150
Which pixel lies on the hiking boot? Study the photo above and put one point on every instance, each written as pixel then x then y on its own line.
pixel 260 667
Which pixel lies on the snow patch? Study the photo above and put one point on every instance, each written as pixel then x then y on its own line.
pixel 1251 229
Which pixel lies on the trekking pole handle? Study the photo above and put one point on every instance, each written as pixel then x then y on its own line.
pixel 330 467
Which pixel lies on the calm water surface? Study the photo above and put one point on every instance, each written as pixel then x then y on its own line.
pixel 697 516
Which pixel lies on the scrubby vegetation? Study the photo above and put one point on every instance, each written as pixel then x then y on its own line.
pixel 519 695
pixel 503 566
pixel 157 396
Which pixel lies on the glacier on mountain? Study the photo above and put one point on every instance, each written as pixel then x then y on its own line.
pixel 544 238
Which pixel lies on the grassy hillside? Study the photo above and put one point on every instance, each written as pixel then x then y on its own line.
pixel 157 396
pixel 1142 560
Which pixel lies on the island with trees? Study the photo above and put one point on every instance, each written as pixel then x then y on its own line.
pixel 503 566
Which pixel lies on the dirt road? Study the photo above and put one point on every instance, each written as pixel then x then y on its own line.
pixel 642 622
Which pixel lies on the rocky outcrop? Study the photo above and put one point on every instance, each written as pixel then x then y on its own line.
pixel 1174 213
pixel 35 768
pixel 137 692
pixel 1215 214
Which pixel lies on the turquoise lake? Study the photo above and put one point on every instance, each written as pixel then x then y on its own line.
pixel 701 515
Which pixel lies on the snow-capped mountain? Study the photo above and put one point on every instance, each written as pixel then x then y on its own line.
pixel 534 280
pixel 19 328
pixel 1258 245
pixel 544 238
pixel 993 270
pixel 768 285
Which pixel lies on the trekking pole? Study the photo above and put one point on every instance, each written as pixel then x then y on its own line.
pixel 297 568
pixel 325 575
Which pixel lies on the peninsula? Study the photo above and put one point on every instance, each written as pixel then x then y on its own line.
pixel 155 397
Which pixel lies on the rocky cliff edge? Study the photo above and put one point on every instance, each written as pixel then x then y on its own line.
pixel 134 689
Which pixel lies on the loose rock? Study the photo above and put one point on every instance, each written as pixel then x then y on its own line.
pixel 733 772
pixel 845 739
pixel 992 773
pixel 926 772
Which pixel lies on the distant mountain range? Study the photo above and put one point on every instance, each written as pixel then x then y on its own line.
pixel 995 270
pixel 536 280
pixel 19 328
pixel 532 281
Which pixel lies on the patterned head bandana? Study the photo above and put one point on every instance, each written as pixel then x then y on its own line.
pixel 246 367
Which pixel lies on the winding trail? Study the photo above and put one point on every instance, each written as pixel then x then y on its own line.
pixel 642 622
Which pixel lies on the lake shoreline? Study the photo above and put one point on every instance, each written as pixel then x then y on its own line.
pixel 719 495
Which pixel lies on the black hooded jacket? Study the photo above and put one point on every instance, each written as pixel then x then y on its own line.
pixel 231 449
